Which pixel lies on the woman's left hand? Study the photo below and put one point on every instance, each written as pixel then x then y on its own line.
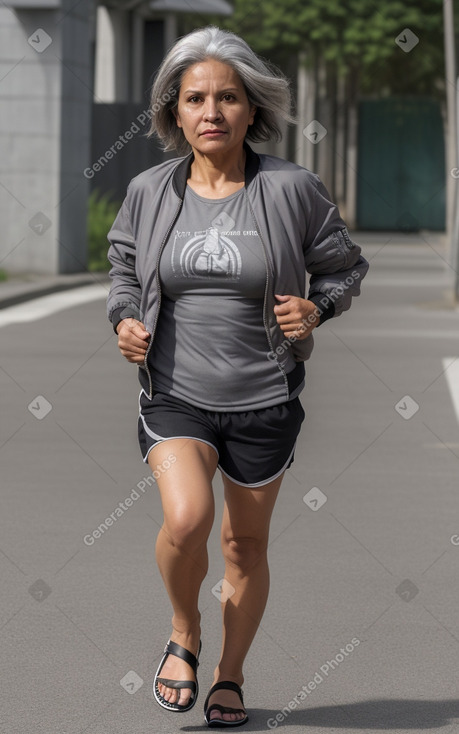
pixel 297 317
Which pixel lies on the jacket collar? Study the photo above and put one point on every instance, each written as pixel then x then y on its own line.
pixel 181 173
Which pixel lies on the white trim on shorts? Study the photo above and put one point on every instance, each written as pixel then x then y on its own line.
pixel 161 439
pixel 264 481
pixel 171 438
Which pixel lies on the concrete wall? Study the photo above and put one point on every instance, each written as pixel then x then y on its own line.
pixel 45 104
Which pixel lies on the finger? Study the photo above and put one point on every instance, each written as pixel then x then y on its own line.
pixel 294 336
pixel 134 335
pixel 134 359
pixel 288 306
pixel 129 351
pixel 132 325
pixel 140 331
pixel 282 309
pixel 133 352
pixel 290 328
pixel 298 333
pixel 288 309
pixel 128 339
pixel 289 318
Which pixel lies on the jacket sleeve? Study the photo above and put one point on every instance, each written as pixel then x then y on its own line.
pixel 125 290
pixel 332 259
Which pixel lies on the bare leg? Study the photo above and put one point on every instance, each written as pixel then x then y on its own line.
pixel 245 531
pixel 181 547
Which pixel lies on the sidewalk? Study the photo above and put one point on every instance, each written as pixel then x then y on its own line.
pixel 21 288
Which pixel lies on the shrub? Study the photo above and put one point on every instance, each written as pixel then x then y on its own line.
pixel 101 214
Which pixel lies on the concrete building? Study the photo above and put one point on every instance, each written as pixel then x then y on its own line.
pixel 58 58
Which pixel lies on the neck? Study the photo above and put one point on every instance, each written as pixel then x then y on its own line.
pixel 213 171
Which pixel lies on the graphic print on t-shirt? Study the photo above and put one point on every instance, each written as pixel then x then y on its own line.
pixel 210 252
pixel 211 347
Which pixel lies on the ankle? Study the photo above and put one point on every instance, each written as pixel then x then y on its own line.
pixel 220 675
pixel 185 633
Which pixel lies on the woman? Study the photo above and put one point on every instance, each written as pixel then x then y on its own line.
pixel 209 254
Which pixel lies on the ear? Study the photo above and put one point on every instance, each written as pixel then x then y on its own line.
pixel 177 116
pixel 253 111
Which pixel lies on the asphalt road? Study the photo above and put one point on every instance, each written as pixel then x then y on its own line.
pixel 361 632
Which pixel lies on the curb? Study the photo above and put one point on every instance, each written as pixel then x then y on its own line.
pixel 33 290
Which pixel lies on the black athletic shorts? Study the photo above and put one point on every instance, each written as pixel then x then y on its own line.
pixel 253 446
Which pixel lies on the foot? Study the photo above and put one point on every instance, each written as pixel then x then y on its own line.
pixel 227 699
pixel 177 669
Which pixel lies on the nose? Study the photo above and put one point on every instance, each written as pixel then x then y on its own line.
pixel 211 110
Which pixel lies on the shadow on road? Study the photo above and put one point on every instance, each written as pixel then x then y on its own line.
pixel 382 714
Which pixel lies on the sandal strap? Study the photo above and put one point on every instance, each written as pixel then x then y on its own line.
pixel 227 685
pixel 178 683
pixel 181 652
pixel 223 710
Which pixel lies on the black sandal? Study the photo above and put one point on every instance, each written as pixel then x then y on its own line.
pixel 229 686
pixel 172 648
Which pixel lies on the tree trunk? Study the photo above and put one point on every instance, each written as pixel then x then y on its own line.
pixel 351 148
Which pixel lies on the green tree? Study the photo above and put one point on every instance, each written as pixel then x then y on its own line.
pixel 354 37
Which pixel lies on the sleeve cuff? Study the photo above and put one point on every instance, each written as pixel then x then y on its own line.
pixel 116 317
pixel 324 304
pixel 123 312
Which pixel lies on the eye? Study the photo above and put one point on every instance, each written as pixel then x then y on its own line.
pixel 229 97
pixel 194 98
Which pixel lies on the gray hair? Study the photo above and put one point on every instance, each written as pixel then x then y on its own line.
pixel 266 87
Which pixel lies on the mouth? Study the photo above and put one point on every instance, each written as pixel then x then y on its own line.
pixel 212 133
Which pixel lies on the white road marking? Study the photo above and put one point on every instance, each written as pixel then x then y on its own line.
pixel 402 280
pixel 39 308
pixel 451 367
pixel 384 333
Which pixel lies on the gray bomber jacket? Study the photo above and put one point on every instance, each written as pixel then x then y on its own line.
pixel 300 230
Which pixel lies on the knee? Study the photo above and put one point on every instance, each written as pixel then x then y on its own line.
pixel 244 553
pixel 186 532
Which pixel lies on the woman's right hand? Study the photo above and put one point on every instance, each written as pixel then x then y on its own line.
pixel 132 340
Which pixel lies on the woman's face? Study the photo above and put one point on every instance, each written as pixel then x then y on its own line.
pixel 213 109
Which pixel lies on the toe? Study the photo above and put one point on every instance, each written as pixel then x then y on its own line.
pixel 171 695
pixel 185 695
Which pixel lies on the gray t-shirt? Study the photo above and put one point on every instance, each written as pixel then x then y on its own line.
pixel 210 347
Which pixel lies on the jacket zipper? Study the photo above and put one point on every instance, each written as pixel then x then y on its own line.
pixel 158 285
pixel 265 321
